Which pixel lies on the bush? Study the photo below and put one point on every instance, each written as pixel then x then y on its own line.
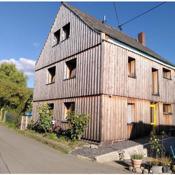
pixel 77 123
pixel 44 123
pixel 155 146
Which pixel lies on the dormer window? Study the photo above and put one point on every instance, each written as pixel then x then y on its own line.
pixel 57 36
pixel 66 31
pixel 51 75
pixel 167 73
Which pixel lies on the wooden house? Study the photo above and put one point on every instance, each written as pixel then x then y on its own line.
pixel 90 67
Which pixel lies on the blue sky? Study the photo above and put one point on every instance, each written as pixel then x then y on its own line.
pixel 24 27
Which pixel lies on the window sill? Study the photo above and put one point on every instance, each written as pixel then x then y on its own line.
pixel 167 78
pixel 64 121
pixel 69 78
pixel 60 42
pixel 130 123
pixel 55 45
pixel 132 76
pixel 50 83
pixel 158 95
pixel 167 114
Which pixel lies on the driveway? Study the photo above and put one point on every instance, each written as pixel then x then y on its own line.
pixel 19 154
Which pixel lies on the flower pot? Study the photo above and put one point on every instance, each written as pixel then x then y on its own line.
pixel 156 169
pixel 165 169
pixel 136 163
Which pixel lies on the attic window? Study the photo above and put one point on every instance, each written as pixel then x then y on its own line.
pixel 66 31
pixel 57 36
pixel 51 75
pixel 166 73
pixel 71 69
pixel 68 107
pixel 131 67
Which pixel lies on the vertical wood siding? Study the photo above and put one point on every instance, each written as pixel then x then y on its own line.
pixel 86 82
pixel 114 116
pixel 86 105
pixel 81 38
pixel 117 82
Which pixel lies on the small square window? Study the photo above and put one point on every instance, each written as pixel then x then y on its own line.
pixel 70 71
pixel 57 36
pixel 166 73
pixel 66 31
pixel 131 67
pixel 68 107
pixel 51 75
pixel 167 109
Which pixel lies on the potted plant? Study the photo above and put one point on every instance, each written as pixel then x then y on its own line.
pixel 156 167
pixel 136 160
pixel 165 162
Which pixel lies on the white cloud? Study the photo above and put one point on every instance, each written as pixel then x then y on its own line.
pixel 23 64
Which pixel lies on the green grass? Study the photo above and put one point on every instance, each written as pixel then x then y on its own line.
pixel 61 144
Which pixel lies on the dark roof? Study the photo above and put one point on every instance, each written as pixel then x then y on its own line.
pixel 98 26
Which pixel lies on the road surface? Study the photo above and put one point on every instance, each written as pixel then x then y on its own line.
pixel 20 154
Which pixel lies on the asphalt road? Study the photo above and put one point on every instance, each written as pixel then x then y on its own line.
pixel 19 154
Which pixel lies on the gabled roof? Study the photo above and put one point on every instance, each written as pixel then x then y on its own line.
pixel 98 26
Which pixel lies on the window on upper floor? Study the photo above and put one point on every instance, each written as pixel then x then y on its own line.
pixel 68 107
pixel 66 32
pixel 57 36
pixel 51 75
pixel 166 73
pixel 167 109
pixel 70 71
pixel 131 67
pixel 155 82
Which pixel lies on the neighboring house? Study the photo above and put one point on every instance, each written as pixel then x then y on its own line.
pixel 89 67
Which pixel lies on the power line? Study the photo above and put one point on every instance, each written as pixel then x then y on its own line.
pixel 160 4
pixel 116 14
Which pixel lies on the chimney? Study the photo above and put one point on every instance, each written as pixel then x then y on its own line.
pixel 141 38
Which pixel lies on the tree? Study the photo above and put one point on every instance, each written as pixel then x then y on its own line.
pixel 14 93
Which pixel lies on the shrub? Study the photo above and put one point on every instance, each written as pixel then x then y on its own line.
pixel 165 161
pixel 155 145
pixel 77 123
pixel 137 156
pixel 44 123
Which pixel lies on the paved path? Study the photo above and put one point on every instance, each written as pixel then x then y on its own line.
pixel 19 154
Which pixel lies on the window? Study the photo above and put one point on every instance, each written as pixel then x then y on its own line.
pixel 166 73
pixel 68 107
pixel 57 36
pixel 51 107
pixel 155 82
pixel 167 109
pixel 51 75
pixel 131 113
pixel 131 67
pixel 66 31
pixel 71 69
